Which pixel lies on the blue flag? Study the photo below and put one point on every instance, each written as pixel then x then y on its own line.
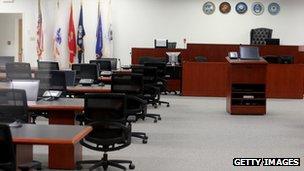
pixel 80 35
pixel 99 42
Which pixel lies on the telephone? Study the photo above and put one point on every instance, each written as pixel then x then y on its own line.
pixel 86 82
pixel 233 55
pixel 52 94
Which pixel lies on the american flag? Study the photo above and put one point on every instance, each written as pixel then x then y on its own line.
pixel 40 38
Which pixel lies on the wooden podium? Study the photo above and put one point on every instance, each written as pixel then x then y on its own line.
pixel 246 88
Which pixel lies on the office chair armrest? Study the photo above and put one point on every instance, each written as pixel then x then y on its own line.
pixel 137 98
pixel 6 164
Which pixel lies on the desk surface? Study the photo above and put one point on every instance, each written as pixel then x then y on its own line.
pixel 89 89
pixel 62 104
pixel 49 134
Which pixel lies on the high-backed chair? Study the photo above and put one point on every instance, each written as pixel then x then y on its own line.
pixel 106 113
pixel 258 36
pixel 86 71
pixel 102 65
pixel 18 70
pixel 7 155
pixel 47 66
pixel 113 62
pixel 148 59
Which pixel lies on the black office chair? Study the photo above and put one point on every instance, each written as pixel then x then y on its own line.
pixel 148 59
pixel 161 82
pixel 51 80
pixel 106 113
pixel 86 71
pixel 113 62
pixel 102 65
pixel 18 70
pixel 13 106
pixel 258 36
pixel 47 66
pixel 132 85
pixel 151 92
pixel 7 155
pixel 200 59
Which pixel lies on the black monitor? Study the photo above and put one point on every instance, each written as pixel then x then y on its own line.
pixel 272 41
pixel 249 53
pixel 161 43
pixel 86 71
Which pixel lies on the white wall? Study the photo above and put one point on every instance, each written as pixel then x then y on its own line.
pixel 9 33
pixel 137 22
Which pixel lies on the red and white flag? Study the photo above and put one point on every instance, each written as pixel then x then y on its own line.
pixel 72 37
pixel 40 38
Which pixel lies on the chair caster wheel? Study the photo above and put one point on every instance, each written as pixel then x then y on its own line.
pixel 78 167
pixel 145 141
pixel 155 121
pixel 131 166
pixel 159 118
pixel 168 105
pixel 155 106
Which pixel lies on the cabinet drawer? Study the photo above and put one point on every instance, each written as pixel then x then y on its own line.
pixel 248 74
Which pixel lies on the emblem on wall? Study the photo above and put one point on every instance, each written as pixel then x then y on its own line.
pixel 209 8
pixel 274 8
pixel 241 8
pixel 257 8
pixel 225 7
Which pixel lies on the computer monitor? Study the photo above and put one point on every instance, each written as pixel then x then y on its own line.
pixel 31 88
pixel 249 53
pixel 161 43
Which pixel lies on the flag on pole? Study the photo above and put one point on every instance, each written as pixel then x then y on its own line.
pixel 80 35
pixel 71 37
pixel 99 42
pixel 40 38
pixel 109 50
pixel 57 39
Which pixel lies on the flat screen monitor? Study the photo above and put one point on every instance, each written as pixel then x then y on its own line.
pixel 249 53
pixel 70 76
pixel 31 88
pixel 161 43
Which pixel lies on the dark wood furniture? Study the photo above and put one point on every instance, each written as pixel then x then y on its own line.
pixel 246 90
pixel 63 142
pixel 204 79
pixel 89 89
pixel 61 111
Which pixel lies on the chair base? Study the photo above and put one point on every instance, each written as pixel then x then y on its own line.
pixel 156 117
pixel 105 163
pixel 140 135
pixel 163 102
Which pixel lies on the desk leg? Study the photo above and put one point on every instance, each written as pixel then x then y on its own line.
pixel 62 117
pixel 24 154
pixel 64 156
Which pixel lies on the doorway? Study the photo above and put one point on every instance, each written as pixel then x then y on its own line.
pixel 11 36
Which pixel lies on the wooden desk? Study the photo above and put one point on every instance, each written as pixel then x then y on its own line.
pixel 89 89
pixel 61 111
pixel 204 79
pixel 63 142
pixel 246 90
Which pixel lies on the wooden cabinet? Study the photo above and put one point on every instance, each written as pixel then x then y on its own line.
pixel 246 88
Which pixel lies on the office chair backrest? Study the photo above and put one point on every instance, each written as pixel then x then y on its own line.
pixel 48 66
pixel 51 80
pixel 172 45
pixel 128 83
pixel 13 106
pixel 161 68
pixel 105 108
pixel 18 70
pixel 31 88
pixel 70 76
pixel 85 71
pixel 113 62
pixel 149 73
pixel 258 36
pixel 7 149
pixel 103 65
pixel 147 59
